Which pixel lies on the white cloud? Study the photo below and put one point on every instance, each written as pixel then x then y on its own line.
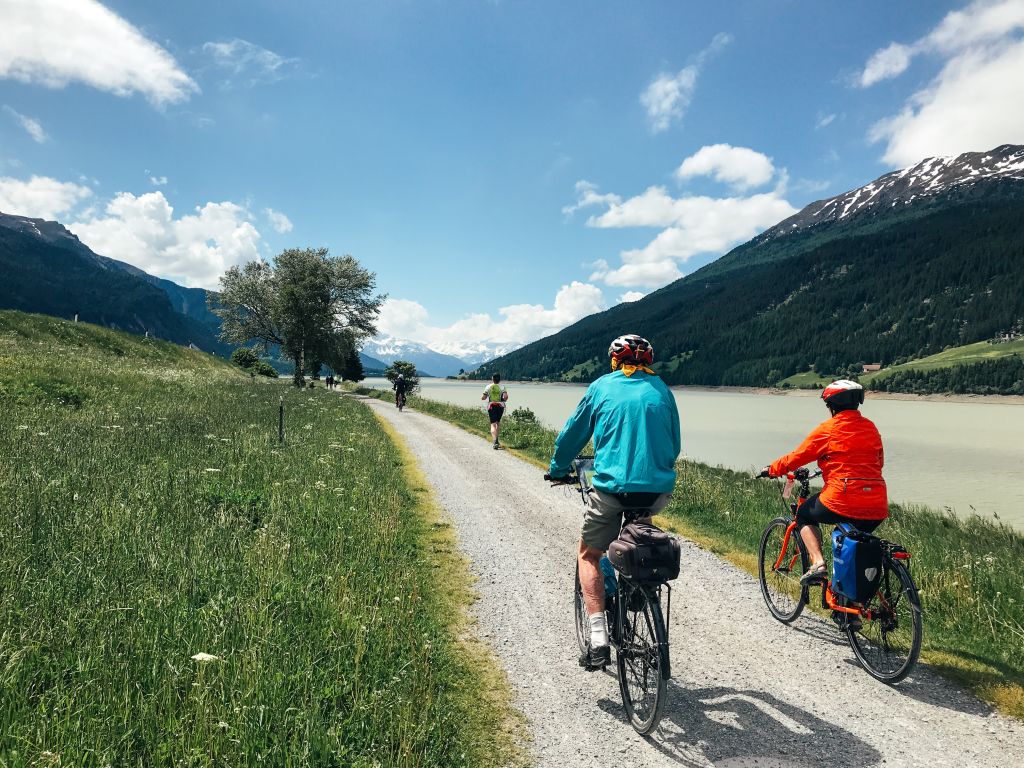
pixel 975 102
pixel 278 220
pixel 56 42
pixel 32 126
pixel 690 224
pixel 251 63
pixel 668 96
pixel 40 197
pixel 631 296
pixel 886 63
pixel 586 196
pixel 195 249
pixel 517 323
pixel 739 167
pixel 824 121
pixel 158 181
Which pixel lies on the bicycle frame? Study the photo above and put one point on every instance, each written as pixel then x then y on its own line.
pixel 828 597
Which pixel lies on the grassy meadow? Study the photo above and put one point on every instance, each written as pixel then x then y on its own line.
pixel 177 588
pixel 968 570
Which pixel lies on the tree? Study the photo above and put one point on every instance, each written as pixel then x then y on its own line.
pixel 343 358
pixel 408 370
pixel 352 368
pixel 308 302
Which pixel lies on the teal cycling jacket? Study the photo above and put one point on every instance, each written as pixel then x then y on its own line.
pixel 635 425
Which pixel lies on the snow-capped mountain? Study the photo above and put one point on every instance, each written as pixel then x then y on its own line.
pixel 389 349
pixel 474 353
pixel 445 359
pixel 928 178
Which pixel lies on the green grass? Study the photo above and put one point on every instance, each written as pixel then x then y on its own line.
pixel 968 569
pixel 970 353
pixel 150 515
pixel 805 380
pixel 965 355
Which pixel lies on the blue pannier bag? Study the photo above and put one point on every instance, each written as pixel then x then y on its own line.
pixel 856 563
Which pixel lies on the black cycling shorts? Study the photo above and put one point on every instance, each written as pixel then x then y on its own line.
pixel 813 512
pixel 495 412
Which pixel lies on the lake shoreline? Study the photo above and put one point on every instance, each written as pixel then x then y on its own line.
pixel 871 394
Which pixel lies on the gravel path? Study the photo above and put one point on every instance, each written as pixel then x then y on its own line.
pixel 735 698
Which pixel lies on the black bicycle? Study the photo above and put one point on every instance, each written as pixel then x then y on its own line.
pixel 400 400
pixel 885 632
pixel 637 628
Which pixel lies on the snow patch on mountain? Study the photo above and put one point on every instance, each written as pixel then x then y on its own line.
pixel 930 177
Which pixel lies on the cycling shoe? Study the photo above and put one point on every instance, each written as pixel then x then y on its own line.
pixel 596 658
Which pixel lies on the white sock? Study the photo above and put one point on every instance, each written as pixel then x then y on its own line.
pixel 598 630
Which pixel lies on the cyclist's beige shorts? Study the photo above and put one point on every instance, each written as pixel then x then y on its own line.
pixel 603 518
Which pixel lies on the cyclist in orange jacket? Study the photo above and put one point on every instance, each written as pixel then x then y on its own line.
pixel 849 453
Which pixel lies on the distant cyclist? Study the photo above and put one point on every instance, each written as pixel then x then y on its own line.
pixel 633 420
pixel 400 386
pixel 496 397
pixel 849 452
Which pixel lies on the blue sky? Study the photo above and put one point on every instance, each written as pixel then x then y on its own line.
pixel 504 167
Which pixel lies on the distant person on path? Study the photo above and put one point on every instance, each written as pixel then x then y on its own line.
pixel 496 397
pixel 400 386
pixel 634 422
pixel 849 452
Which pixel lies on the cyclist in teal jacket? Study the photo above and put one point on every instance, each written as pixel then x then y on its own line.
pixel 634 422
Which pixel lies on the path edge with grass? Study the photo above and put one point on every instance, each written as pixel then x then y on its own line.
pixel 487 695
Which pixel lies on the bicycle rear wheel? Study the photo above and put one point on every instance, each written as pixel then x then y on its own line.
pixel 888 646
pixel 781 586
pixel 642 656
pixel 582 620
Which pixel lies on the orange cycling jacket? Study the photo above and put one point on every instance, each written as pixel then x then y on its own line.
pixel 849 452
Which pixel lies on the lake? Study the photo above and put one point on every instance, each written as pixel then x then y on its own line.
pixel 964 456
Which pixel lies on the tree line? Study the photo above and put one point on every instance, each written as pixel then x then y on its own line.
pixel 1002 376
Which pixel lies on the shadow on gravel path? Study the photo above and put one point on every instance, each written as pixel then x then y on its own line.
pixel 734 727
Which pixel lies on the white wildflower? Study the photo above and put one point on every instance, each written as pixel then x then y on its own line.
pixel 204 657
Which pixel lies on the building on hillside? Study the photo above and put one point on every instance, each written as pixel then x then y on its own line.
pixel 871 367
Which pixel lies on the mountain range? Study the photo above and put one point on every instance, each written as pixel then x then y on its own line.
pixel 445 359
pixel 917 261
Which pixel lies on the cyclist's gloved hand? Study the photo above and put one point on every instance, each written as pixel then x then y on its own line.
pixel 764 473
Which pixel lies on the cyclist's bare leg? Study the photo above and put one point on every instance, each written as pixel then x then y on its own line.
pixel 811 534
pixel 591 578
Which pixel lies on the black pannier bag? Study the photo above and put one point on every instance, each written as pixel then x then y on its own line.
pixel 645 553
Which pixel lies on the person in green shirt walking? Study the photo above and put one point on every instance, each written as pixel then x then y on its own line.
pixel 496 397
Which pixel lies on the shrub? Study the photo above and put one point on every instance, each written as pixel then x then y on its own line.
pixel 263 368
pixel 523 415
pixel 245 358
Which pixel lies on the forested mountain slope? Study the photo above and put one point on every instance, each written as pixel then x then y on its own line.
pixel 889 284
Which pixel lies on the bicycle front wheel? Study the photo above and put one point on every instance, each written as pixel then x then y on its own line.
pixel 642 656
pixel 888 646
pixel 780 570
pixel 582 620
